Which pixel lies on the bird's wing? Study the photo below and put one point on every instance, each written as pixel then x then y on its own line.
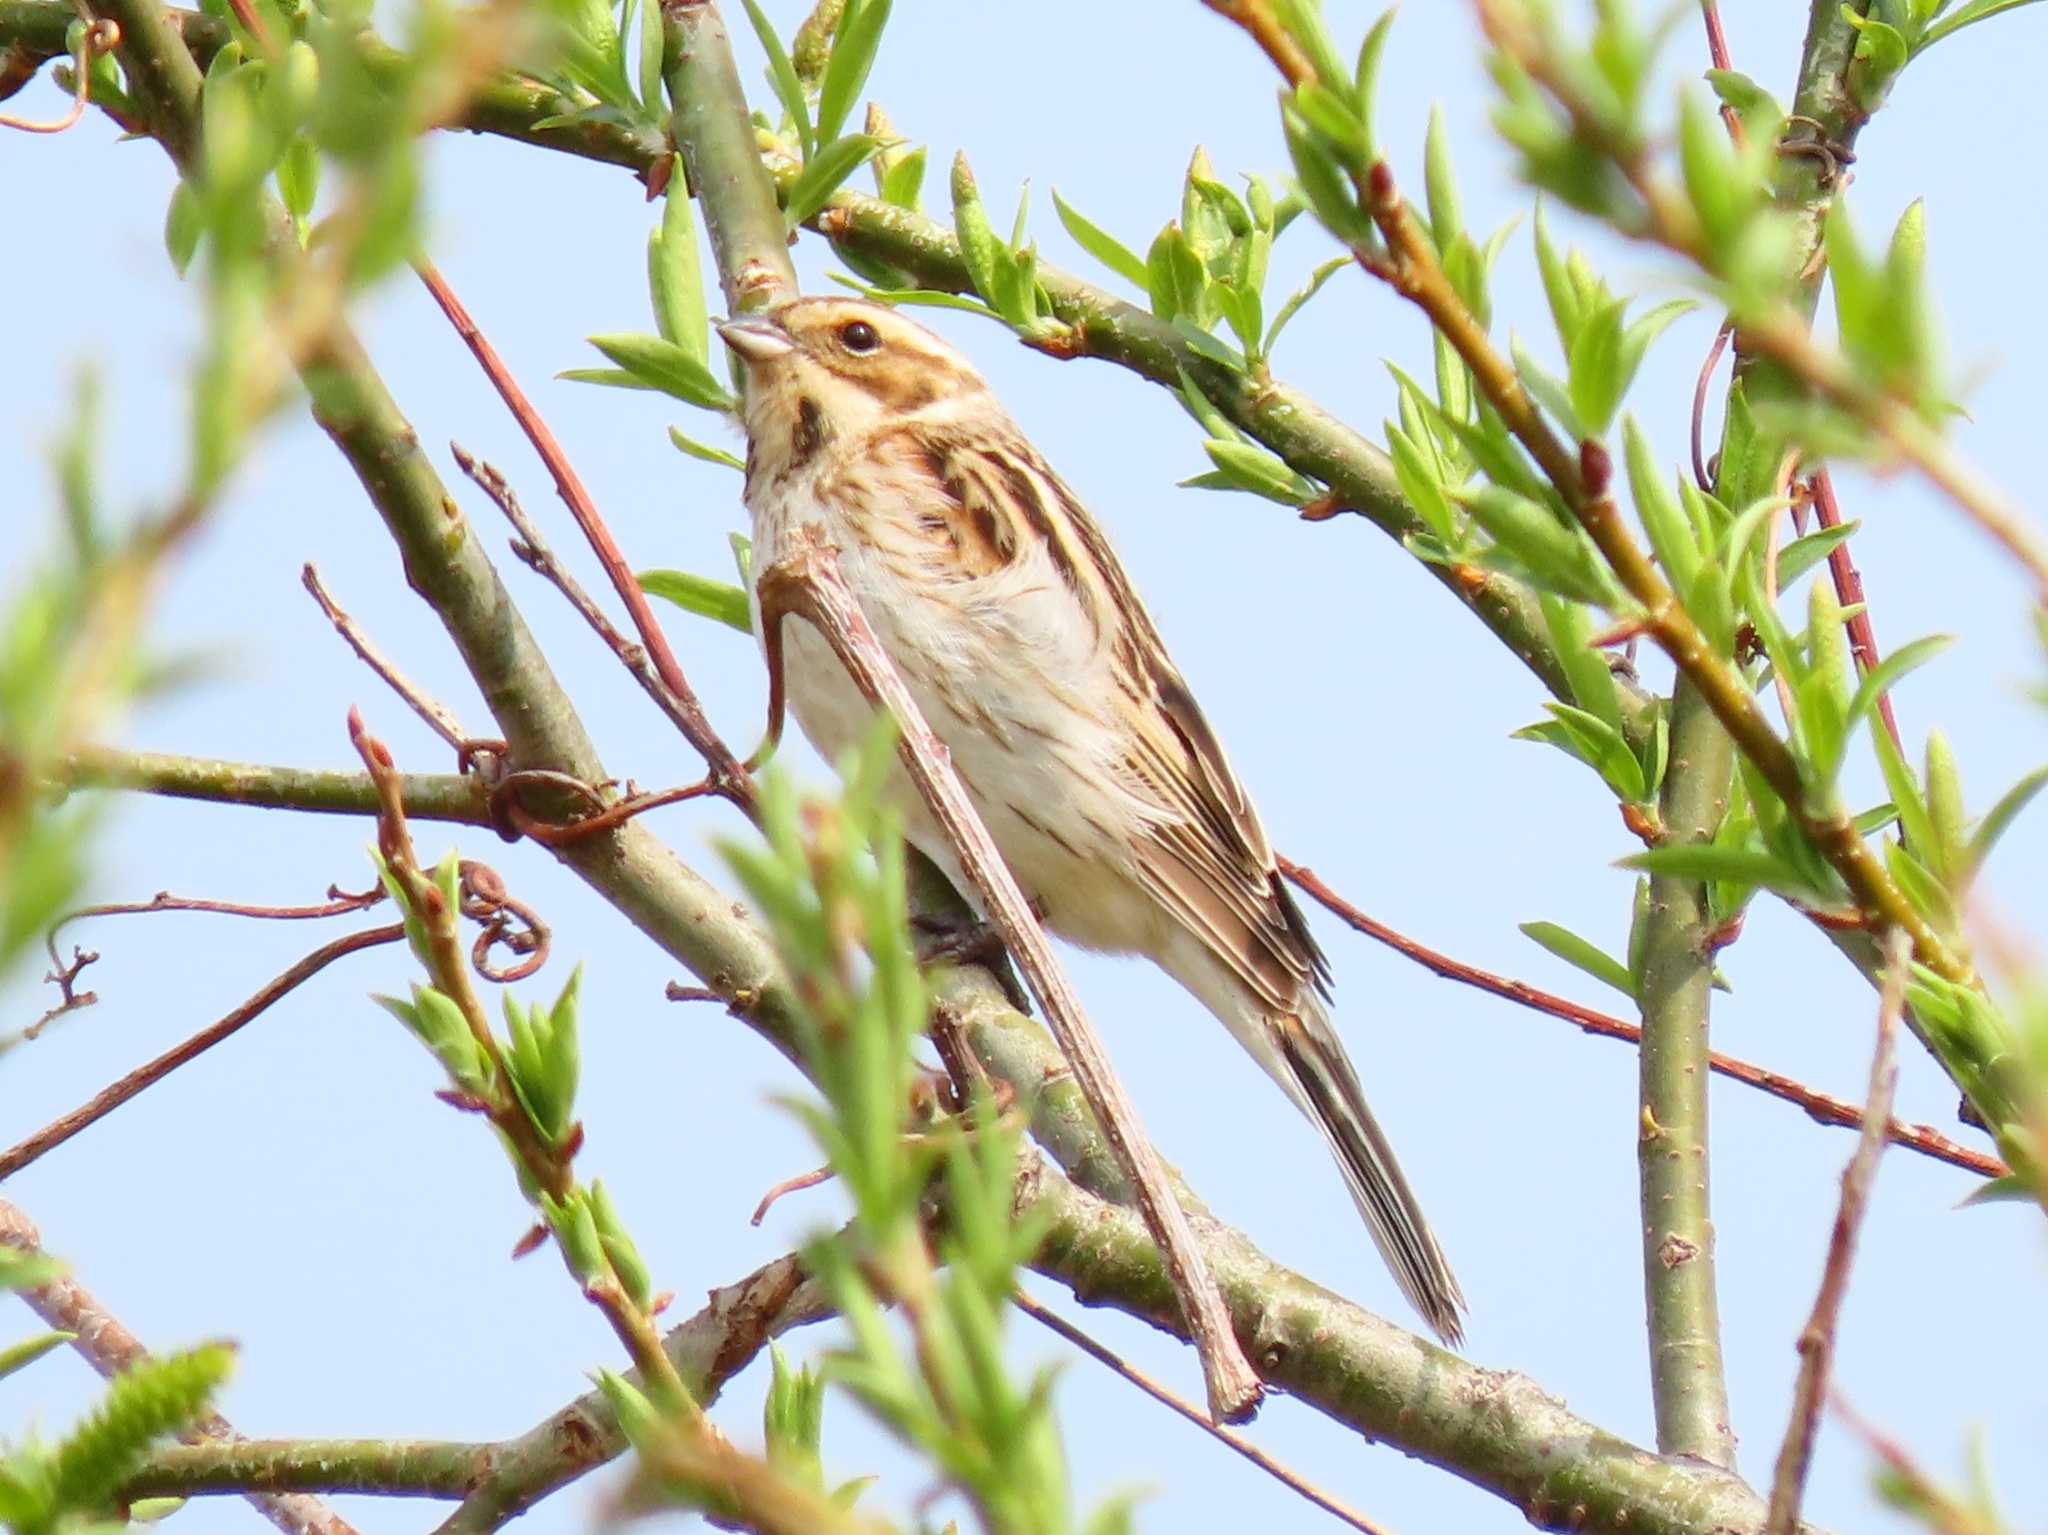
pixel 1205 855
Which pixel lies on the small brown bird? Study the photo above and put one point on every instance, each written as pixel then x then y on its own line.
pixel 1016 629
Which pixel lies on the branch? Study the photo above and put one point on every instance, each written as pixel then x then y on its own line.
pixel 1817 1340
pixel 715 132
pixel 1494 1429
pixel 111 1097
pixel 807 581
pixel 1292 1480
pixel 496 1482
pixel 110 1348
pixel 1687 1380
pixel 677 699
pixel 1822 1107
pixel 428 796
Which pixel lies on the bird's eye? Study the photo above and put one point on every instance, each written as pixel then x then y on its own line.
pixel 858 336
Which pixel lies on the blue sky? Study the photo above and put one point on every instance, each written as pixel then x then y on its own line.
pixel 300 1190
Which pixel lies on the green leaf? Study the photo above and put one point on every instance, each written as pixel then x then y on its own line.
pixel 1576 951
pixel 1594 368
pixel 1944 809
pixel 1203 344
pixel 1671 532
pixel 1887 672
pixel 1881 52
pixel 927 298
pixel 700 595
pixel 151 1399
pixel 1807 551
pixel 1554 556
pixel 1728 865
pixel 1251 468
pixel 824 173
pixel 184 223
pixel 705 451
pixel 978 245
pixel 853 54
pixel 1300 296
pixel 665 366
pixel 611 378
pixel 650 57
pixel 675 275
pixel 1966 14
pixel 19 1356
pixel 789 90
pixel 2000 817
pixel 1322 182
pixel 903 180
pixel 1440 185
pixel 1546 389
pixel 1567 309
pixel 1102 245
pixel 1744 95
pixel 1174 276
pixel 298 177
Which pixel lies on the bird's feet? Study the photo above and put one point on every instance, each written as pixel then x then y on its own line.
pixel 964 939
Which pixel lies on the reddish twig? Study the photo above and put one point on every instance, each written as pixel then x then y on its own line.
pixel 1822 1107
pixel 65 976
pixel 438 717
pixel 554 834
pixel 1702 476
pixel 98 1336
pixel 533 551
pixel 506 922
pixel 725 773
pixel 100 36
pixel 809 1180
pixel 1937 1508
pixel 807 581
pixel 1717 50
pixel 1849 592
pixel 1103 1355
pixel 1817 1339
pixel 104 1102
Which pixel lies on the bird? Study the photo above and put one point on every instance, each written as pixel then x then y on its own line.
pixel 1026 647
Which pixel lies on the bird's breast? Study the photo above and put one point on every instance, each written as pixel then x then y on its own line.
pixel 1010 675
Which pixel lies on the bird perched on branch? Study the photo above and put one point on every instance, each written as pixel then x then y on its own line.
pixel 1016 629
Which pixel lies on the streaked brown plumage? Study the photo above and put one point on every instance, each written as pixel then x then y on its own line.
pixel 1015 627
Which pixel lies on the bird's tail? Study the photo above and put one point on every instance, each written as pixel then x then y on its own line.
pixel 1328 1088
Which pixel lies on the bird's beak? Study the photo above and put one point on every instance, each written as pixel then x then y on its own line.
pixel 756 339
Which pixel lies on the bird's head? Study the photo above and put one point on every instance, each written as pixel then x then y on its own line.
pixel 828 367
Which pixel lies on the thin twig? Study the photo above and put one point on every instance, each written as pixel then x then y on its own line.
pixel 729 780
pixel 1717 51
pixel 534 552
pixel 111 1348
pixel 65 975
pixel 809 1180
pixel 1102 1354
pixel 1825 1108
pixel 1817 1339
pixel 98 37
pixel 1700 473
pixel 111 1097
pixel 807 581
pixel 437 715
pixel 1849 592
